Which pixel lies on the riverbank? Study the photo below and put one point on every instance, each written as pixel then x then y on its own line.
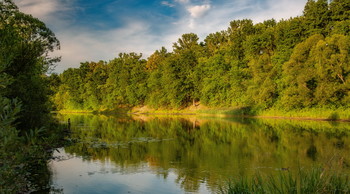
pixel 302 114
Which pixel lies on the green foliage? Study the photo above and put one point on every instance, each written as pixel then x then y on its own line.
pixel 126 82
pixel 316 73
pixel 316 180
pixel 299 76
pixel 22 158
pixel 293 64
pixel 340 10
pixel 25 44
pixel 316 16
pixel 204 151
pixel 215 84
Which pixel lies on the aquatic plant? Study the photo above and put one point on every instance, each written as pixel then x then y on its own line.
pixel 314 180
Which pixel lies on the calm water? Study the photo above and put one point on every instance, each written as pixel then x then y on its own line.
pixel 189 154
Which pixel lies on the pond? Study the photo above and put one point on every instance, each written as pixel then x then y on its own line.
pixel 189 154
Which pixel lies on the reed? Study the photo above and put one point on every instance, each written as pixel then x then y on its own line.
pixel 315 180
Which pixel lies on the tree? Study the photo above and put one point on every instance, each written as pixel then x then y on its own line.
pixel 299 76
pixel 215 81
pixel 186 42
pixel 126 82
pixel 317 73
pixel 25 44
pixel 156 58
pixel 259 48
pixel 69 95
pixel 215 41
pixel 331 58
pixel 187 51
pixel 297 63
pixel 340 10
pixel 54 82
pixel 317 16
pixel 95 77
pixel 156 65
pixel 340 15
pixel 238 32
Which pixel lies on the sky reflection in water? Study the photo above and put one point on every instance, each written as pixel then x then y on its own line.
pixel 76 175
pixel 196 155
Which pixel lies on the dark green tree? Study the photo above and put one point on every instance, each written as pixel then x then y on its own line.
pixel 25 45
pixel 156 65
pixel 299 76
pixel 317 16
pixel 340 10
pixel 187 51
pixel 259 49
pixel 340 15
pixel 126 82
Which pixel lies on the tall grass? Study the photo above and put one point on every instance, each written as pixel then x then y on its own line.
pixel 306 113
pixel 316 180
pixel 322 113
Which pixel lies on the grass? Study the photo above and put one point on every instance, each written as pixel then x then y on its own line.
pixel 72 111
pixel 128 110
pixel 316 180
pixel 321 113
pixel 340 114
pixel 237 111
pixel 307 113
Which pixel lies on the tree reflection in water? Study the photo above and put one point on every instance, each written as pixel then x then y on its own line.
pixel 208 151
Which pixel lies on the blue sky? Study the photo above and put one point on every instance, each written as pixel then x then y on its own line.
pixel 92 30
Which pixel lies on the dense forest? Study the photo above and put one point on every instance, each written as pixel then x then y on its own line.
pixel 302 62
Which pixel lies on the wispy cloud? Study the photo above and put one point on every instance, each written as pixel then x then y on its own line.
pixel 182 1
pixel 38 8
pixel 43 9
pixel 167 3
pixel 79 45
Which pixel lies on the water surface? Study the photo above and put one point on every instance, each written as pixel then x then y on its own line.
pixel 139 154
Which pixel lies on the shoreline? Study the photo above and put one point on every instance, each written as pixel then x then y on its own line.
pixel 322 115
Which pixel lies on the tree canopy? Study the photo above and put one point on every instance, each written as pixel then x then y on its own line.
pixel 26 131
pixel 301 62
pixel 25 45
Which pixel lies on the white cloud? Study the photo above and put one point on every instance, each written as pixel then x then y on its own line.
pixel 80 44
pixel 182 1
pixel 285 9
pixel 198 10
pixel 166 3
pixel 43 9
pixel 220 15
pixel 38 8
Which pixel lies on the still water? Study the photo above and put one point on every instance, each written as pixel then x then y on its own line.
pixel 159 154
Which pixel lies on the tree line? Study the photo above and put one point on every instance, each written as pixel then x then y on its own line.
pixel 295 63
